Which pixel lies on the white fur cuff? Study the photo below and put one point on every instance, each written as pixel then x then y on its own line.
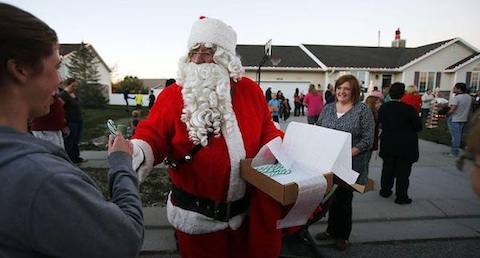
pixel 143 158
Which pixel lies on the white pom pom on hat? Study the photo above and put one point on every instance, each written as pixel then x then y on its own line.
pixel 211 30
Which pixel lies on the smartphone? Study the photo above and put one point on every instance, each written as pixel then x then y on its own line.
pixel 112 127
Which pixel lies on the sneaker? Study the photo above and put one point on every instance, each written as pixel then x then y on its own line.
pixel 403 201
pixel 341 244
pixel 323 236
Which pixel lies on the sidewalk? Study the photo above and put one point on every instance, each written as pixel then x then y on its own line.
pixel 444 206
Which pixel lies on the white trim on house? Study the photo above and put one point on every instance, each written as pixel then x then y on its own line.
pixel 431 52
pixel 464 64
pixel 369 69
pixel 290 69
pixel 96 54
pixel 468 44
pixel 313 57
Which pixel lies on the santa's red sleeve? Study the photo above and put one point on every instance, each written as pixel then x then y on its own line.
pixel 159 126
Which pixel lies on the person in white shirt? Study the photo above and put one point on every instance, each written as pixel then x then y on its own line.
pixel 427 99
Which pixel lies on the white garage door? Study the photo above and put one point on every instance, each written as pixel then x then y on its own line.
pixel 288 88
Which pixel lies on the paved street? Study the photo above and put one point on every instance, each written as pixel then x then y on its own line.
pixel 442 221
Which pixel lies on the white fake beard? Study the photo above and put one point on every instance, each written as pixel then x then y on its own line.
pixel 207 101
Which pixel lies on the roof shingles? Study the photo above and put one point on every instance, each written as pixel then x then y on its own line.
pixel 369 57
pixel 336 56
pixel 291 56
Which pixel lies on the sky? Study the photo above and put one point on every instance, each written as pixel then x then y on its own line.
pixel 145 38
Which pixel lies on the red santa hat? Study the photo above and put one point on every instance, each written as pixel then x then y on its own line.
pixel 210 30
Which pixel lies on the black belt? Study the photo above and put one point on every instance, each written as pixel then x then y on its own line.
pixel 221 211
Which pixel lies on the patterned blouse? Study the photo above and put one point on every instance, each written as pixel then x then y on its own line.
pixel 360 123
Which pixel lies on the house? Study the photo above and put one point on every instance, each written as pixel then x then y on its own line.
pixel 66 52
pixel 157 85
pixel 439 64
pixel 151 84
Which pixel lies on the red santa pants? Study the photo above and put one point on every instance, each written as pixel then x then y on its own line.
pixel 222 244
pixel 258 237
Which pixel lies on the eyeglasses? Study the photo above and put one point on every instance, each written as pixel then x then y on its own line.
pixel 467 162
pixel 202 54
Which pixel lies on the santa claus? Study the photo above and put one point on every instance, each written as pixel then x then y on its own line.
pixel 202 127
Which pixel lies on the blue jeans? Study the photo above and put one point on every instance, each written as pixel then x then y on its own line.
pixel 73 139
pixel 456 129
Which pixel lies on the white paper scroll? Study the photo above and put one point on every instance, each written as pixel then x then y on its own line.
pixel 309 152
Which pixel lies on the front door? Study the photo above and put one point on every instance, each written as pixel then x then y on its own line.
pixel 386 80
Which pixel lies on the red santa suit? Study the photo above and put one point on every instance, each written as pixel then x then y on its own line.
pixel 214 174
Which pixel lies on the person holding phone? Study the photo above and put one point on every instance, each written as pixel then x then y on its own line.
pixel 49 207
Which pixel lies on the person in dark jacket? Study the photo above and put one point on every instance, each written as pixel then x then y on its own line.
pixel 329 94
pixel 268 94
pixel 49 207
pixel 151 100
pixel 398 144
pixel 73 115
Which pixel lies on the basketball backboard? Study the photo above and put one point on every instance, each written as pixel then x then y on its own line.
pixel 268 48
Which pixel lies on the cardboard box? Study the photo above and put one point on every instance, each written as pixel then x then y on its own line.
pixel 364 188
pixel 285 194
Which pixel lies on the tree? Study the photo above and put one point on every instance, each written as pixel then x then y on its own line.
pixel 83 67
pixel 132 84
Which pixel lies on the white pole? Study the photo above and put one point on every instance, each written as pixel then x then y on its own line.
pixel 378 38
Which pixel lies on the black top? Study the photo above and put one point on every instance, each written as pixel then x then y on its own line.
pixel 329 97
pixel 151 100
pixel 400 124
pixel 73 111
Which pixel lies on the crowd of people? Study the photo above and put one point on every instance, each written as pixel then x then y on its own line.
pixel 387 121
pixel 200 127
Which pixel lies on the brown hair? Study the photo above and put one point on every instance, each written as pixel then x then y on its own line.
pixel 312 89
pixel 371 101
pixel 24 38
pixel 353 83
pixel 69 81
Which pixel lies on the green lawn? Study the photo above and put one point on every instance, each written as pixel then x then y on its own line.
pixel 95 119
pixel 439 135
pixel 153 190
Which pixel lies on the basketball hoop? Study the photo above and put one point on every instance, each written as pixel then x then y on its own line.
pixel 275 60
pixel 268 48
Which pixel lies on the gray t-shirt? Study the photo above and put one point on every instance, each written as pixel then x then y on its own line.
pixel 463 103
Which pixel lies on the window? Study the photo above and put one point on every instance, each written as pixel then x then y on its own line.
pixel 426 81
pixel 474 82
pixel 360 75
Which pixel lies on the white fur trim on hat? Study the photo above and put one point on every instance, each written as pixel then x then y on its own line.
pixel 210 30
